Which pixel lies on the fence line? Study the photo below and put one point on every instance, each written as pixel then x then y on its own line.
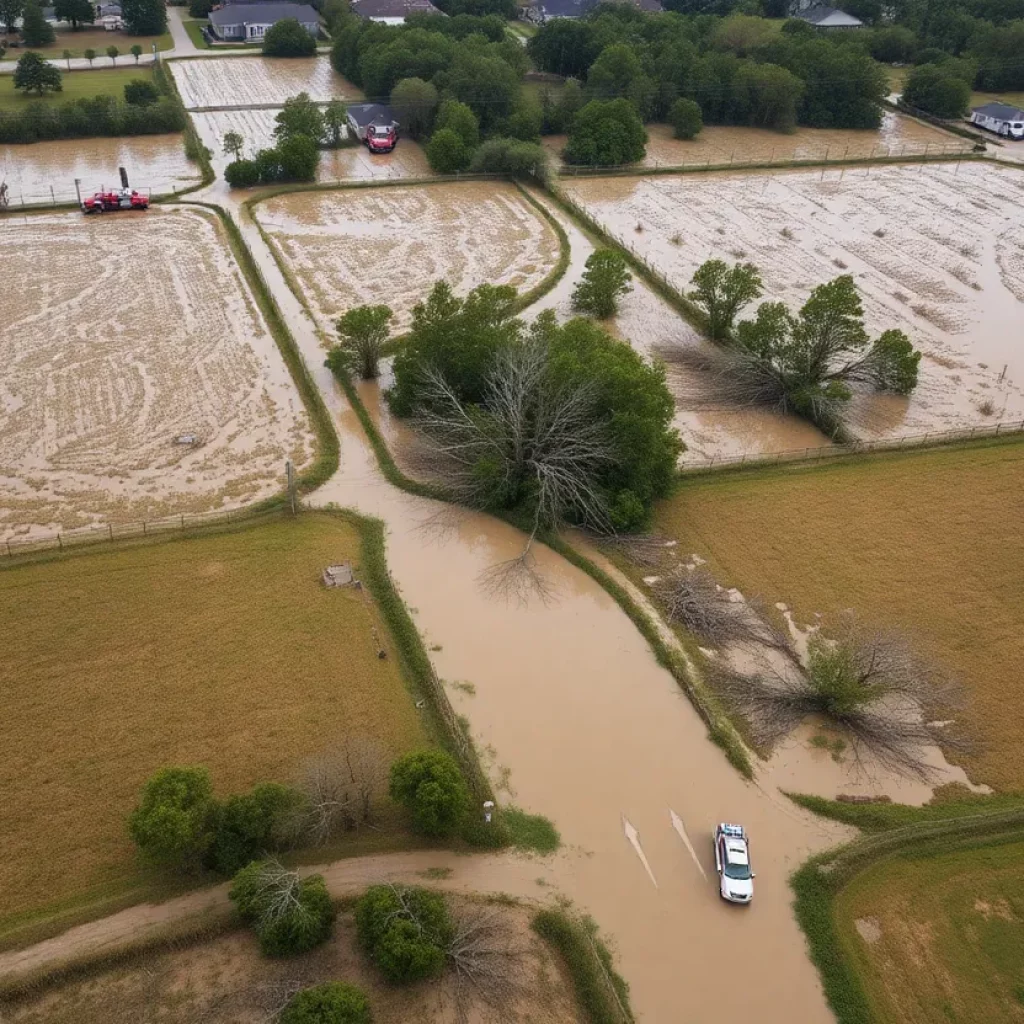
pixel 933 437
pixel 56 197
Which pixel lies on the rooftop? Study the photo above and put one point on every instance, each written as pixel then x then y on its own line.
pixel 828 17
pixel 370 113
pixel 392 8
pixel 263 13
pixel 1000 111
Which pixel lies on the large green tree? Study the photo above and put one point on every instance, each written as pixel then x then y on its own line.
pixel 606 133
pixel 287 38
pixel 34 74
pixel 564 46
pixel 10 12
pixel 429 784
pixel 299 116
pixel 722 291
pixel 75 12
pixel 144 17
pixel 938 89
pixel 415 104
pixel 362 334
pixel 605 280
pixel 173 822
pixel 35 29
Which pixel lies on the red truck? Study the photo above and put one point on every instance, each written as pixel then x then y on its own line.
pixel 124 198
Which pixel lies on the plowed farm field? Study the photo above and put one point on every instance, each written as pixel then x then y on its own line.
pixel 348 248
pixel 936 250
pixel 121 335
pixel 264 81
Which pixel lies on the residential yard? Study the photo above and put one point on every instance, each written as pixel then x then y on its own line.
pixel 98 39
pixel 928 542
pixel 102 81
pixel 1015 99
pixel 194 28
pixel 939 938
pixel 223 650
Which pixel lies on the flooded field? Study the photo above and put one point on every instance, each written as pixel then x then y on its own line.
pixel 155 163
pixel 121 335
pixel 264 81
pixel 719 144
pixel 347 248
pixel 936 251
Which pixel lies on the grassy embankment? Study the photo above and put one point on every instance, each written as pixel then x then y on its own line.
pixel 77 85
pixel 98 39
pixel 927 541
pixel 222 650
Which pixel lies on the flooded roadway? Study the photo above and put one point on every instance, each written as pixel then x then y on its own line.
pixel 595 734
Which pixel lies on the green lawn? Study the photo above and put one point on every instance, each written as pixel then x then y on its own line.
pixel 77 84
pixel 1015 99
pixel 97 39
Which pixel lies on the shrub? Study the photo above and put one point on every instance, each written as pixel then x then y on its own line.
pixel 606 133
pixel 140 93
pixel 430 785
pixel 512 157
pixel 686 120
pixel 404 930
pixel 334 1002
pixel 298 158
pixel 288 38
pixel 289 914
pixel 604 282
pixel 242 173
pixel 251 825
pixel 460 119
pixel 447 153
pixel 938 91
pixel 172 823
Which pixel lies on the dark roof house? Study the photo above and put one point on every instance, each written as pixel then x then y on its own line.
pixel 545 10
pixel 361 116
pixel 252 20
pixel 828 18
pixel 1002 118
pixel 391 12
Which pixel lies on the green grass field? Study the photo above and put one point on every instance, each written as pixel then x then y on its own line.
pixel 928 542
pixel 77 84
pixel 98 39
pixel 223 650
pixel 939 938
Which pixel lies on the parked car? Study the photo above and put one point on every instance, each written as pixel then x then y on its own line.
pixel 732 859
pixel 380 138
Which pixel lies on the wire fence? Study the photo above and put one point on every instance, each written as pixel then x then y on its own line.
pixel 48 196
pixel 932 437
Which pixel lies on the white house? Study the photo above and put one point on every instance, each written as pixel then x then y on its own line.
pixel 1000 118
pixel 825 19
pixel 251 21
pixel 391 12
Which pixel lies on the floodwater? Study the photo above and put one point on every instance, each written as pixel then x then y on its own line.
pixel 261 81
pixel 390 246
pixel 155 163
pixel 717 144
pixel 95 393
pixel 936 250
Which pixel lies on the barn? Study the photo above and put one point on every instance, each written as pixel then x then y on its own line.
pixel 1001 118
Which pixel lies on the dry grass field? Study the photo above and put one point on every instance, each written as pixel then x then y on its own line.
pixel 357 246
pixel 225 979
pixel 224 651
pixel 939 939
pixel 121 335
pixel 928 542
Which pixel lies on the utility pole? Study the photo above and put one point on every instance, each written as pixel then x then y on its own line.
pixel 290 473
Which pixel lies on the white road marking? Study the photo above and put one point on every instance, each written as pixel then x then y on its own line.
pixel 677 824
pixel 634 840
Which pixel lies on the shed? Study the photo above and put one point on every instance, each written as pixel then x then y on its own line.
pixel 252 21
pixel 1001 118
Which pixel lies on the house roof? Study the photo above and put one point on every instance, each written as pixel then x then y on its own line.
pixel 263 14
pixel 578 8
pixel 1000 111
pixel 829 17
pixel 392 8
pixel 370 113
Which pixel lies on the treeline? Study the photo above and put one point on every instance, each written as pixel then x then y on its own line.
pixel 739 70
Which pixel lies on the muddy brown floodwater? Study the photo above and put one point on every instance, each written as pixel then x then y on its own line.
pixel 155 163
pixel 936 250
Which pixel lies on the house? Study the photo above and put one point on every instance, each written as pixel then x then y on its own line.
pixel 361 116
pixel 251 21
pixel 1000 118
pixel 540 11
pixel 826 19
pixel 391 12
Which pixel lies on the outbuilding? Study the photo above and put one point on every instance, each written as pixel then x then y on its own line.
pixel 362 116
pixel 1001 118
pixel 253 21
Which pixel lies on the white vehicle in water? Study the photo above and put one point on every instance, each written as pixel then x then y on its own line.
pixel 732 859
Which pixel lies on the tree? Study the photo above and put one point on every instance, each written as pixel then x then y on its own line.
pixel 242 173
pixel 415 103
pixel 937 90
pixel 615 73
pixel 75 12
pixel 290 914
pixel 363 332
pixel 487 85
pixel 144 17
pixel 429 784
pixel 251 825
pixel 334 1002
pixel 287 38
pixel 35 29
pixel 172 823
pixel 893 44
pixel 140 93
pixel 89 55
pixel 10 12
pixel 605 280
pixel 606 133
pixel 112 53
pixel 559 113
pixel 526 120
pixel 564 46
pixel 721 292
pixel 298 158
pixel 233 142
pixel 457 117
pixel 299 116
pixel 136 51
pixel 998 49
pixel 766 96
pixel 404 930
pixel 335 123
pixel 521 160
pixel 686 120
pixel 200 9
pixel 66 56
pixel 34 74
pixel 447 153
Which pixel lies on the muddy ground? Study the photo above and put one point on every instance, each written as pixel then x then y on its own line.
pixel 122 334
pixel 936 250
pixel 348 248
pixel 155 164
